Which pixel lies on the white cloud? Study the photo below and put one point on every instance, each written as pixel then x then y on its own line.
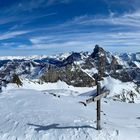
pixel 70 44
pixel 66 36
pixel 23 20
pixel 40 39
pixel 131 19
pixel 85 41
pixel 13 34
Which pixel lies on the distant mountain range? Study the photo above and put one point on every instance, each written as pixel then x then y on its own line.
pixel 77 69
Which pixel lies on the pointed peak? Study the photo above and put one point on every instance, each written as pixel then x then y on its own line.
pixel 97 50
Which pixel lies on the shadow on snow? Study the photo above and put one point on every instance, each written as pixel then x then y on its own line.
pixel 56 126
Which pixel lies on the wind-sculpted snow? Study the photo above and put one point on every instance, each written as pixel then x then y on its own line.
pixel 35 114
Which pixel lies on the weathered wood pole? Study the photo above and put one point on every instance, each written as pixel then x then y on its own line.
pixel 101 63
pixel 98 107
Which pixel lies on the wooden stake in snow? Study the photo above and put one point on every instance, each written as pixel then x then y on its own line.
pixel 99 106
pixel 97 98
pixel 100 92
pixel 101 64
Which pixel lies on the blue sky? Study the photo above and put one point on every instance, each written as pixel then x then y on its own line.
pixel 29 27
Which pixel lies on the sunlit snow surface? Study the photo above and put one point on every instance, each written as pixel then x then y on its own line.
pixel 32 113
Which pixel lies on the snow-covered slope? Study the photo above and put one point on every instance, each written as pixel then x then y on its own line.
pixel 30 113
pixel 23 57
pixel 47 103
pixel 79 70
pixel 122 91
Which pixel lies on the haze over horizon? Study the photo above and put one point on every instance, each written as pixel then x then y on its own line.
pixel 29 27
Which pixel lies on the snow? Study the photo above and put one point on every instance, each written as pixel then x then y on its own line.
pixel 32 113
pixel 91 71
pixel 60 85
pixel 137 64
pixel 23 57
pixel 116 87
pixel 121 62
pixel 34 57
pixel 138 56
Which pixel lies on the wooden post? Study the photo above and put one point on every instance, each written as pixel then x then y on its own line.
pixel 100 92
pixel 98 107
pixel 101 63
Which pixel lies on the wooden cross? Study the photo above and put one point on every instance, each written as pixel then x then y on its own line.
pixel 97 98
pixel 100 92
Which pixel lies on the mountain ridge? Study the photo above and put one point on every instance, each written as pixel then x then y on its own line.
pixel 77 69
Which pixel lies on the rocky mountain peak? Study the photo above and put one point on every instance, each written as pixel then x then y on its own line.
pixel 52 69
pixel 97 51
pixel 71 58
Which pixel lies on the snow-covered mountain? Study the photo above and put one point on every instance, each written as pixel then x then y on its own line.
pixel 41 96
pixel 77 69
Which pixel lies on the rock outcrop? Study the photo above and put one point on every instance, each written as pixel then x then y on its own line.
pixel 71 74
pixel 78 69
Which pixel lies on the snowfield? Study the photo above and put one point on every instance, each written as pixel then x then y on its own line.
pixel 32 112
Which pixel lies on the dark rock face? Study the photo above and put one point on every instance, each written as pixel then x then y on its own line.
pixel 73 75
pixel 114 64
pixel 99 59
pixel 51 75
pixel 123 76
pixel 70 74
pixel 16 80
pixel 70 59
pixel 78 69
pixel 126 96
pixel 97 50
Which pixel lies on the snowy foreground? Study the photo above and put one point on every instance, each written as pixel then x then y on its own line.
pixel 31 112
